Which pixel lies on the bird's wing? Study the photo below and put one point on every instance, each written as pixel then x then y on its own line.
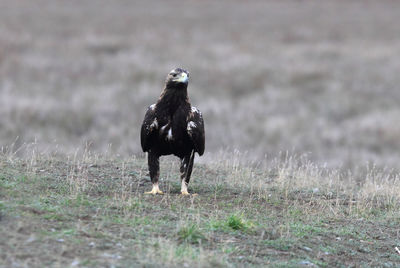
pixel 149 127
pixel 195 129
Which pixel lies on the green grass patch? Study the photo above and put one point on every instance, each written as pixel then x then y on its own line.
pixel 232 222
pixel 283 244
pixel 236 222
pixel 302 230
pixel 191 234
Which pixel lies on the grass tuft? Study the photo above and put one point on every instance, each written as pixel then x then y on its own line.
pixel 236 222
pixel 191 234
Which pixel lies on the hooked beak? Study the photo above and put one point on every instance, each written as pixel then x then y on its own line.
pixel 183 78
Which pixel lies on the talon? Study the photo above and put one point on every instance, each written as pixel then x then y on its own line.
pixel 155 190
pixel 184 193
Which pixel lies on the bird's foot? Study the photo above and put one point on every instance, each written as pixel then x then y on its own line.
pixel 155 190
pixel 185 193
pixel 188 194
pixel 184 190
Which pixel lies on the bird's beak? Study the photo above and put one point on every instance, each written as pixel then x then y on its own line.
pixel 183 78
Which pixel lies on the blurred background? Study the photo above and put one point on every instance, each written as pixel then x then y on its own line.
pixel 309 77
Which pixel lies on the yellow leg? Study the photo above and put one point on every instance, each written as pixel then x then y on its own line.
pixel 184 190
pixel 155 190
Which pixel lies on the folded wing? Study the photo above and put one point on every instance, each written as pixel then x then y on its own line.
pixel 195 129
pixel 149 128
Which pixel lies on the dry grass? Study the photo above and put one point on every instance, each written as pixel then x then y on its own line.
pixel 363 190
pixel 89 210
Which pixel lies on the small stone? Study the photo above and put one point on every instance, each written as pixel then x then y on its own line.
pixel 31 239
pixel 307 263
pixel 75 263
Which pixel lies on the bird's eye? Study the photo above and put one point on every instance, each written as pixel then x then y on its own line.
pixel 174 74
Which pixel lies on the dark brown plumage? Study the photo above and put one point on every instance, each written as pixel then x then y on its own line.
pixel 173 126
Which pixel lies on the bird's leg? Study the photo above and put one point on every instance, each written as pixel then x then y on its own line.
pixel 186 171
pixel 183 169
pixel 154 168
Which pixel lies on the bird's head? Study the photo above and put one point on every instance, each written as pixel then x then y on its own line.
pixel 177 76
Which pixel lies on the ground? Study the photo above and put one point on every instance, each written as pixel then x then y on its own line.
pixel 93 212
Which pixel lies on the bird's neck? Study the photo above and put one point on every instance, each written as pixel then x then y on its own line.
pixel 172 98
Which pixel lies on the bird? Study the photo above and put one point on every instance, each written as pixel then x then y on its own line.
pixel 173 126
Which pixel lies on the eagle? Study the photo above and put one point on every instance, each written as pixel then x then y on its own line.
pixel 173 126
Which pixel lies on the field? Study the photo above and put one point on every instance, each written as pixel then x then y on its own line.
pixel 301 105
pixel 91 212
pixel 271 76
